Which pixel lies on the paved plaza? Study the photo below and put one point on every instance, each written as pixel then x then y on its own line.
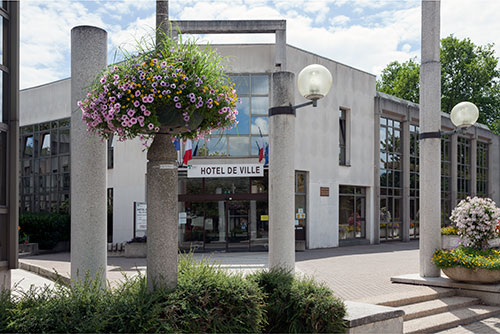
pixel 353 273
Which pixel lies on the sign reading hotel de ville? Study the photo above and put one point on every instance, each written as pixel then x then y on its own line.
pixel 226 170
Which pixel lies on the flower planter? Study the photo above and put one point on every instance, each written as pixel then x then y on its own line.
pixel 481 276
pixel 136 249
pixel 174 122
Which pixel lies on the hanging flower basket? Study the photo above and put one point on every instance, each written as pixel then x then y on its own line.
pixel 177 86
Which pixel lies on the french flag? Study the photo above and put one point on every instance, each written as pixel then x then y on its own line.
pixel 188 152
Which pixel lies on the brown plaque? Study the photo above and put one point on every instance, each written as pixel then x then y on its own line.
pixel 324 191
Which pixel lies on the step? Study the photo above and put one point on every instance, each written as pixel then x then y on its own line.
pixel 424 309
pixel 413 296
pixel 450 319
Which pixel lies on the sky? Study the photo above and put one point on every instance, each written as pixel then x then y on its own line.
pixel 365 34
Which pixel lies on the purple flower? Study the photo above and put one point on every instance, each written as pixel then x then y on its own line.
pixel 137 93
pixel 186 118
pixel 131 112
pixel 172 86
pixel 151 126
pixel 147 113
pixel 143 107
pixel 178 105
pixel 136 104
pixel 176 98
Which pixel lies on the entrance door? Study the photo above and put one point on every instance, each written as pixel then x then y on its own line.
pixel 238 225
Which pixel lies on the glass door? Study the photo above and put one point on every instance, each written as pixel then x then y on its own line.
pixel 215 226
pixel 238 225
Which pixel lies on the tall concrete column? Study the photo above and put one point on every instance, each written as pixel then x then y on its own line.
pixel 282 176
pixel 405 177
pixel 376 192
pixel 430 148
pixel 162 198
pixel 222 217
pixel 88 161
pixel 473 166
pixel 454 170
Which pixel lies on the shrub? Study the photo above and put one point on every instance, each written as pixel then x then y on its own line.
pixel 207 299
pixel 476 219
pixel 449 230
pixel 45 228
pixel 299 305
pixel 467 257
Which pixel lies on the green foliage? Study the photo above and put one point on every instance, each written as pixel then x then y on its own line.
pixel 449 230
pixel 401 80
pixel 467 257
pixel 207 299
pixel 45 228
pixel 468 73
pixel 299 305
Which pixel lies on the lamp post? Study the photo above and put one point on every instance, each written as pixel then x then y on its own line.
pixel 314 82
pixel 463 115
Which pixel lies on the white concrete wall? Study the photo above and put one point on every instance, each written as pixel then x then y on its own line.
pixel 45 103
pixel 128 180
pixel 317 144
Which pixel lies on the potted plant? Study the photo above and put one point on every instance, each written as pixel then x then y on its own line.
pixel 449 237
pixel 477 221
pixel 173 85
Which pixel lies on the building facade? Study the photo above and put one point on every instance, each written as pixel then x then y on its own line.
pixel 9 126
pixel 356 163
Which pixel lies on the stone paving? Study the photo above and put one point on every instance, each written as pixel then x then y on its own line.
pixel 486 326
pixel 353 273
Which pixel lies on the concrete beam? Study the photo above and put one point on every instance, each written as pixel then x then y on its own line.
pixel 229 26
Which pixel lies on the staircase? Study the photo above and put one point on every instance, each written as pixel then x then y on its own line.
pixel 439 310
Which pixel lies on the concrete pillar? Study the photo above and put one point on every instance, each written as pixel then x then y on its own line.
pixel 473 166
pixel 282 176
pixel 405 177
pixel 376 190
pixel 5 279
pixel 222 218
pixel 280 52
pixel 88 161
pixel 162 198
pixel 430 148
pixel 454 170
pixel 253 220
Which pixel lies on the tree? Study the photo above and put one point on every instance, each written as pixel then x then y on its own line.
pixel 468 73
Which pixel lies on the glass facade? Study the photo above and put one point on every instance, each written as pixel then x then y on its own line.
pixel 390 179
pixel 463 168
pixel 252 130
pixel 482 169
pixel 45 167
pixel 352 206
pixel 445 180
pixel 414 181
pixel 223 213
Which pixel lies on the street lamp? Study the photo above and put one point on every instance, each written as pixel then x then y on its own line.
pixel 314 82
pixel 463 115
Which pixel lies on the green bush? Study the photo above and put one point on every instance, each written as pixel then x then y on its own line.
pixel 45 228
pixel 207 299
pixel 299 305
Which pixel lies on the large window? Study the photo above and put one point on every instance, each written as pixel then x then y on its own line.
pixel 352 206
pixel 45 167
pixel 482 169
pixel 445 180
pixel 390 179
pixel 463 168
pixel 252 130
pixel 343 137
pixel 414 182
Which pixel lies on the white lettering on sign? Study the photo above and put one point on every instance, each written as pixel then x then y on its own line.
pixel 229 170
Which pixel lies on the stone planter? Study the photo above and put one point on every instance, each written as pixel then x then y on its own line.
pixel 482 276
pixel 136 249
pixel 453 241
pixel 450 241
